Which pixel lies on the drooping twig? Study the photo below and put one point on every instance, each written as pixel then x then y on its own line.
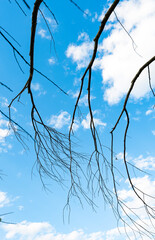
pixel 76 5
pixel 51 12
pixel 6 86
pixel 36 70
pixel 20 7
pixel 26 4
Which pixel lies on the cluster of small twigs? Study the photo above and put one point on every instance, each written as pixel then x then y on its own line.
pixel 121 207
pixel 54 150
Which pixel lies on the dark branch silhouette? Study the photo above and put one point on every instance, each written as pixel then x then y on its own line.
pixel 54 150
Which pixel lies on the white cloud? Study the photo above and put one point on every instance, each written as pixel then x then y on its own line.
pixel 95 17
pixel 83 100
pixel 87 13
pixel 120 63
pixel 44 231
pixel 86 122
pixel 148 112
pixel 80 54
pixel 4 103
pixel 43 33
pixel 153 132
pixel 117 59
pixel 143 163
pixel 35 86
pixel 58 121
pixel 52 23
pixel 4 199
pixel 4 132
pixel 20 208
pixel 51 61
pixel 64 119
pixel 146 185
pixel 83 37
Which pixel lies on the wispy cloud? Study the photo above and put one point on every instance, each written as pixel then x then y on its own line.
pixel 153 132
pixel 4 199
pixel 145 163
pixel 64 119
pixel 44 34
pixel 83 100
pixel 51 61
pixel 59 121
pixel 37 88
pixel 86 122
pixel 5 103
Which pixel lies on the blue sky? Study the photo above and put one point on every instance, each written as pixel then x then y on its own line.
pixel 37 212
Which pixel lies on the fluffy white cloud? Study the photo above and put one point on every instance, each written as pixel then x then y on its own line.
pixel 4 199
pixel 80 54
pixel 64 119
pixel 58 121
pixel 44 231
pixel 147 186
pixel 120 62
pixel 143 163
pixel 119 58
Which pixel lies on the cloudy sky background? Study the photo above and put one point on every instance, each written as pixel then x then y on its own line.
pixel 39 214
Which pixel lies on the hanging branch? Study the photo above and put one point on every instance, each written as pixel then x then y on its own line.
pixel 107 194
pixel 121 207
pixel 20 7
pixel 51 12
pixel 78 7
pixel 26 4
pixel 149 210
pixel 36 70
pixel 4 85
pixel 51 146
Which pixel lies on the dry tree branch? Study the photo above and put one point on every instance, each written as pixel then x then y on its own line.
pixel 78 7
pixel 4 85
pixel 129 35
pixel 26 4
pixel 51 12
pixel 98 175
pixel 149 209
pixel 149 76
pixel 121 206
pixel 36 70
pixel 1 221
pixel 52 38
pixel 51 146
pixel 20 7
